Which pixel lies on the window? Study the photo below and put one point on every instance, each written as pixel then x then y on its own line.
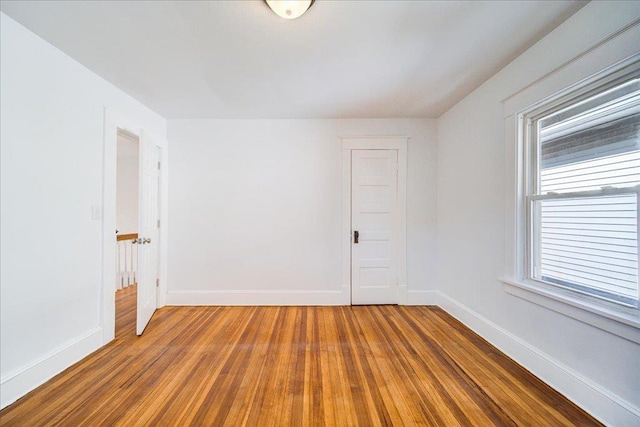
pixel 582 189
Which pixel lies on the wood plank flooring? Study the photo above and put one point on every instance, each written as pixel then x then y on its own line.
pixel 293 366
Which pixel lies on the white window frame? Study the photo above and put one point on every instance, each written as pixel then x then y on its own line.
pixel 531 143
pixel 612 317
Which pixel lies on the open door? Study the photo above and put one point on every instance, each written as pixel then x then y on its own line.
pixel 148 230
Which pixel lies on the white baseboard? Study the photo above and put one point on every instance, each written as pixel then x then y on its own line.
pixel 422 298
pixel 600 402
pixel 255 297
pixel 189 298
pixel 19 382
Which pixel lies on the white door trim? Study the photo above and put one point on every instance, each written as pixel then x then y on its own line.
pixel 398 143
pixel 112 122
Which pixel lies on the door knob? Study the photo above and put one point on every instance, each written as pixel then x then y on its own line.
pixel 146 240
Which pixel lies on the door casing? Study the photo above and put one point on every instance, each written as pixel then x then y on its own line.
pixel 398 143
pixel 112 122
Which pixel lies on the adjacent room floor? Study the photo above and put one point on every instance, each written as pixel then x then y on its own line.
pixel 367 365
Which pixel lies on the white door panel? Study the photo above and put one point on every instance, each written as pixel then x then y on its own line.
pixel 148 232
pixel 374 216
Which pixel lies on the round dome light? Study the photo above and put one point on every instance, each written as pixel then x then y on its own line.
pixel 289 9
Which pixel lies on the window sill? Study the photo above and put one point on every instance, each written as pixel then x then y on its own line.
pixel 623 324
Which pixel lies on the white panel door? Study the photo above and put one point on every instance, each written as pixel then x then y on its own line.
pixel 374 225
pixel 148 231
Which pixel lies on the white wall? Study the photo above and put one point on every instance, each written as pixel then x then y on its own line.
pixel 127 185
pixel 598 370
pixel 256 208
pixel 51 176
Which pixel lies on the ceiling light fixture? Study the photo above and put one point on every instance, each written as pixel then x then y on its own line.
pixel 289 9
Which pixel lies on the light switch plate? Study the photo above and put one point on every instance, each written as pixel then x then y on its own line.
pixel 96 213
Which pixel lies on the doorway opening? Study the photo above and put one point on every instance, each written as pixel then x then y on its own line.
pixel 127 196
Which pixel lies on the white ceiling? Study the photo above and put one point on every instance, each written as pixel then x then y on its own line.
pixel 342 59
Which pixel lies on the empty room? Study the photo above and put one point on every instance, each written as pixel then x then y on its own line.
pixel 319 212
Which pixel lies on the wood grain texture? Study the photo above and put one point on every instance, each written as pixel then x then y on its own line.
pixel 131 236
pixel 292 366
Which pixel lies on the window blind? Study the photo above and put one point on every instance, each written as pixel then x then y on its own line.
pixel 590 244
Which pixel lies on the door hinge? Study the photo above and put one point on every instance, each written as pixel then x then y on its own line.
pixel 158 223
pixel 397 166
pixel 158 165
pixel 157 283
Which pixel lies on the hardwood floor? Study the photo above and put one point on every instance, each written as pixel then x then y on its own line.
pixel 276 366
